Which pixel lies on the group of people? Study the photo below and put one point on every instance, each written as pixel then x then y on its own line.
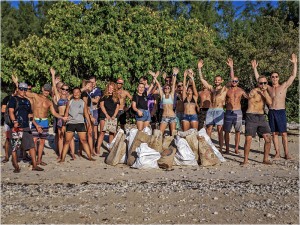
pixel 174 104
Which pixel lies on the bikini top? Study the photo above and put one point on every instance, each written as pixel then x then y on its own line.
pixel 192 100
pixel 166 101
pixel 62 102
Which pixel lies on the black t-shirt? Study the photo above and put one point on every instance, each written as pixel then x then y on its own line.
pixel 89 99
pixel 141 101
pixel 23 110
pixel 5 100
pixel 109 105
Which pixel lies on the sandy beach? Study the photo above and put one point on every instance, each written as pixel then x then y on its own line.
pixel 81 191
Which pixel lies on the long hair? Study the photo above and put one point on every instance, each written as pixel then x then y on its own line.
pixel 115 95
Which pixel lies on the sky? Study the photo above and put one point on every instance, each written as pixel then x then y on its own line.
pixel 236 3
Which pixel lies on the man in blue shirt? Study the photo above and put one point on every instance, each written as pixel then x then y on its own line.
pixel 95 95
pixel 20 111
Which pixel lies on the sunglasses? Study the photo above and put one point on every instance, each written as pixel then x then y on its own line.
pixel 274 76
pixel 263 83
pixel 65 89
pixel 234 81
pixel 23 89
pixel 29 89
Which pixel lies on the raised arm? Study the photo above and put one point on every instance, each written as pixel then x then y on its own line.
pixel 15 80
pixel 56 93
pixel 230 64
pixel 154 75
pixel 203 81
pixel 254 67
pixel 294 72
pixel 191 75
pixel 184 84
pixel 175 73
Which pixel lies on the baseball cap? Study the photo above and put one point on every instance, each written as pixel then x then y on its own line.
pixel 23 85
pixel 47 87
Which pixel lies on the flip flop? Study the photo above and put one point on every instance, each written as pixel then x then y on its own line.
pixel 37 168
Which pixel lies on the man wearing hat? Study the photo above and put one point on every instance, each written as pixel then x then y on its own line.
pixel 41 107
pixel 123 94
pixel 20 113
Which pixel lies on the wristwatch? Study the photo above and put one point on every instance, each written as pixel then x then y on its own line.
pixel 15 121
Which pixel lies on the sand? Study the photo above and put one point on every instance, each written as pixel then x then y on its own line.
pixel 81 191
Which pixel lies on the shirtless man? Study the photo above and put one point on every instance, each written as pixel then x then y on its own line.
pixel 123 94
pixel 41 106
pixel 233 114
pixel 205 101
pixel 215 113
pixel 277 113
pixel 256 121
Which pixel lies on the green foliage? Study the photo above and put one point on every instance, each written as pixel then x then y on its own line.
pixel 110 42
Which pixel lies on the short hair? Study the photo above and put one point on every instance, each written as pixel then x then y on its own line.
pixel 92 77
pixel 76 88
pixel 261 77
pixel 218 76
pixel 273 73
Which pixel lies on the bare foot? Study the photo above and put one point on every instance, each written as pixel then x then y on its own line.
pixel 227 152
pixel 243 163
pixel 5 160
pixel 237 152
pixel 267 162
pixel 287 157
pixel 276 157
pixel 61 161
pixel 92 159
pixel 73 157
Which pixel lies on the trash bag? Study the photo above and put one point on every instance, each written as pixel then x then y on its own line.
pixel 146 157
pixel 166 160
pixel 139 138
pixel 117 149
pixel 202 133
pixel 193 143
pixel 184 155
pixel 183 134
pixel 156 141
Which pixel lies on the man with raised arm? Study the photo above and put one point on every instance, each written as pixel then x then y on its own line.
pixel 123 94
pixel 277 112
pixel 215 113
pixel 256 121
pixel 233 114
pixel 41 107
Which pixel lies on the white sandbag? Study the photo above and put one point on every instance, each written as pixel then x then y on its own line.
pixel 203 133
pixel 184 155
pixel 147 130
pixel 146 157
pixel 130 135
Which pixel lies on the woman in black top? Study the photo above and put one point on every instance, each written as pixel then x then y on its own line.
pixel 109 108
pixel 140 106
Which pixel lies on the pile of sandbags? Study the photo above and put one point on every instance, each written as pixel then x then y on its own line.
pixel 142 149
